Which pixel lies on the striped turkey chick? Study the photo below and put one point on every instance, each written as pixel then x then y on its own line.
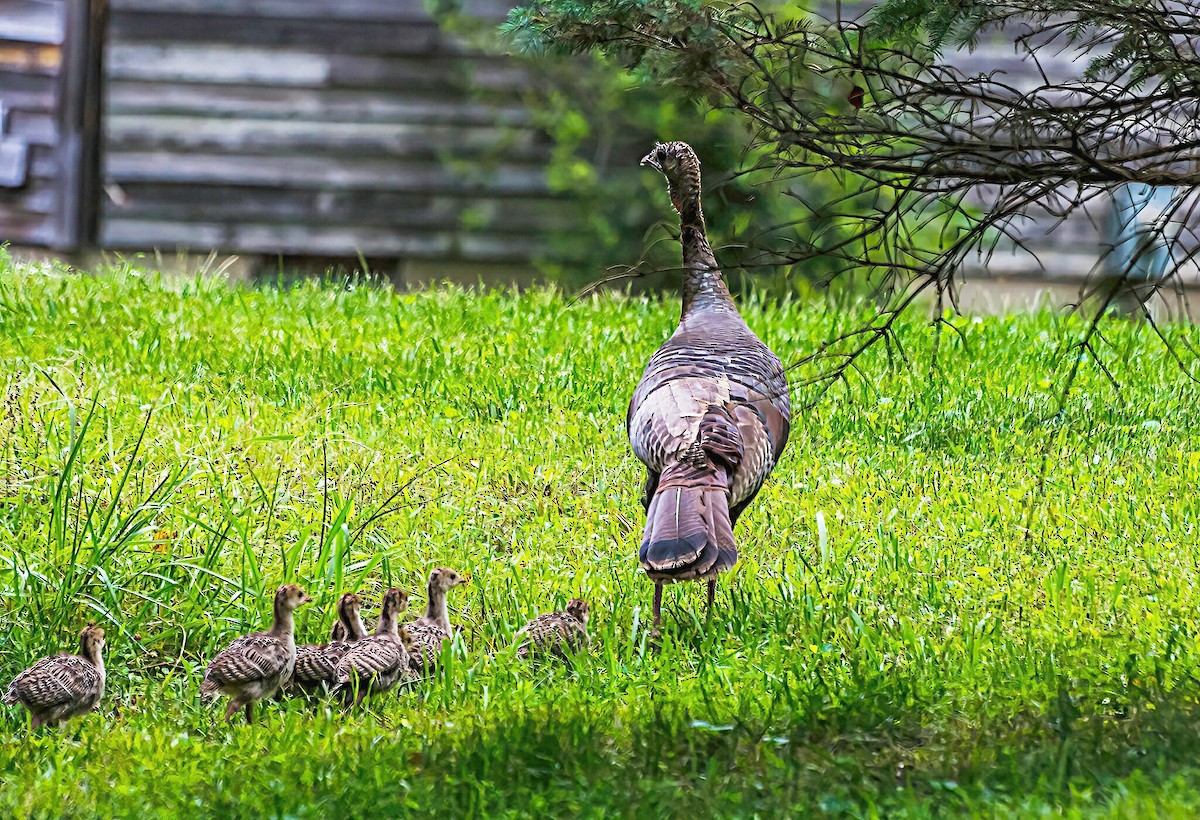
pixel 316 665
pixel 433 628
pixel 556 633
pixel 62 686
pixel 377 662
pixel 254 666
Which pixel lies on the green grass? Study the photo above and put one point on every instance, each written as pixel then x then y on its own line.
pixel 917 625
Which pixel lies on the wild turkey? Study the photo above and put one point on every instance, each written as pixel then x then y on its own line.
pixel 377 662
pixel 254 666
pixel 556 633
pixel 62 686
pixel 432 629
pixel 316 666
pixel 710 417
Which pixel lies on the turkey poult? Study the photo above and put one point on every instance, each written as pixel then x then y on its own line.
pixel 710 417
pixel 433 628
pixel 377 662
pixel 62 686
pixel 316 666
pixel 556 633
pixel 254 666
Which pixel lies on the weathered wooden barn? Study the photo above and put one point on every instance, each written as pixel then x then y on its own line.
pixel 305 128
pixel 49 121
pixel 308 130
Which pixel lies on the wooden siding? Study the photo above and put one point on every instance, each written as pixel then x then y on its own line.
pixel 315 127
pixel 49 120
pixel 31 39
pixel 1082 244
pixel 327 128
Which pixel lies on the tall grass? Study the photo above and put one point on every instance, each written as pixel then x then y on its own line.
pixel 923 618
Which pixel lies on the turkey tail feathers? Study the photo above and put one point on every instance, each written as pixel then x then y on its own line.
pixel 688 530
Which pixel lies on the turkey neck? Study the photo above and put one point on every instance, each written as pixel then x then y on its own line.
pixel 387 621
pixel 283 625
pixel 97 659
pixel 92 655
pixel 435 608
pixel 704 287
pixel 356 629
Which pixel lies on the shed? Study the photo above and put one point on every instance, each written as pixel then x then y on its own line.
pixel 49 120
pixel 314 127
pixel 326 128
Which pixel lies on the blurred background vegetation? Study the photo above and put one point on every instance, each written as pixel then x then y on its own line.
pixel 601 118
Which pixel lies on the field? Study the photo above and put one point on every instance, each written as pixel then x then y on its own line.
pixel 951 599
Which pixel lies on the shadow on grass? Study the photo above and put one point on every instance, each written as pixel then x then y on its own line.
pixel 662 761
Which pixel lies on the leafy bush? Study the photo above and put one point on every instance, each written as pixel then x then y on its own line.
pixel 600 119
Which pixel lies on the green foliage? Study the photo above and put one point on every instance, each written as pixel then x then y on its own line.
pixel 916 625
pixel 602 120
pixel 937 22
pixel 774 214
pixel 1125 36
pixel 601 115
pixel 707 62
pixel 936 165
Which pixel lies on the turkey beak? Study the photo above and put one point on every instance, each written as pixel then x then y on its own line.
pixel 652 162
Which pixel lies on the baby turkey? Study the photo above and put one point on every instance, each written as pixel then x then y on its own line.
pixel 316 666
pixel 62 686
pixel 377 662
pixel 433 628
pixel 254 666
pixel 556 633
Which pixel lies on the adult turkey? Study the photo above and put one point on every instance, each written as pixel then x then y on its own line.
pixel 710 417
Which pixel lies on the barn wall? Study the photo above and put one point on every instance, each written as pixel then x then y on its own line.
pixel 322 128
pixel 48 119
pixel 315 127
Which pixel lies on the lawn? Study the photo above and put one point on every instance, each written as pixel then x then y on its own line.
pixel 950 598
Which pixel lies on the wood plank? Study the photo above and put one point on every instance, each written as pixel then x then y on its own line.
pixel 30 58
pixel 147 98
pixel 78 145
pixel 482 247
pixel 363 10
pixel 17 81
pixel 308 172
pixel 22 21
pixel 217 64
pixel 34 127
pixel 36 198
pixel 231 203
pixel 32 100
pixel 26 229
pixel 126 133
pixel 427 74
pixel 120 233
pixel 14 162
pixel 321 34
pixel 44 162
pixel 441 72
